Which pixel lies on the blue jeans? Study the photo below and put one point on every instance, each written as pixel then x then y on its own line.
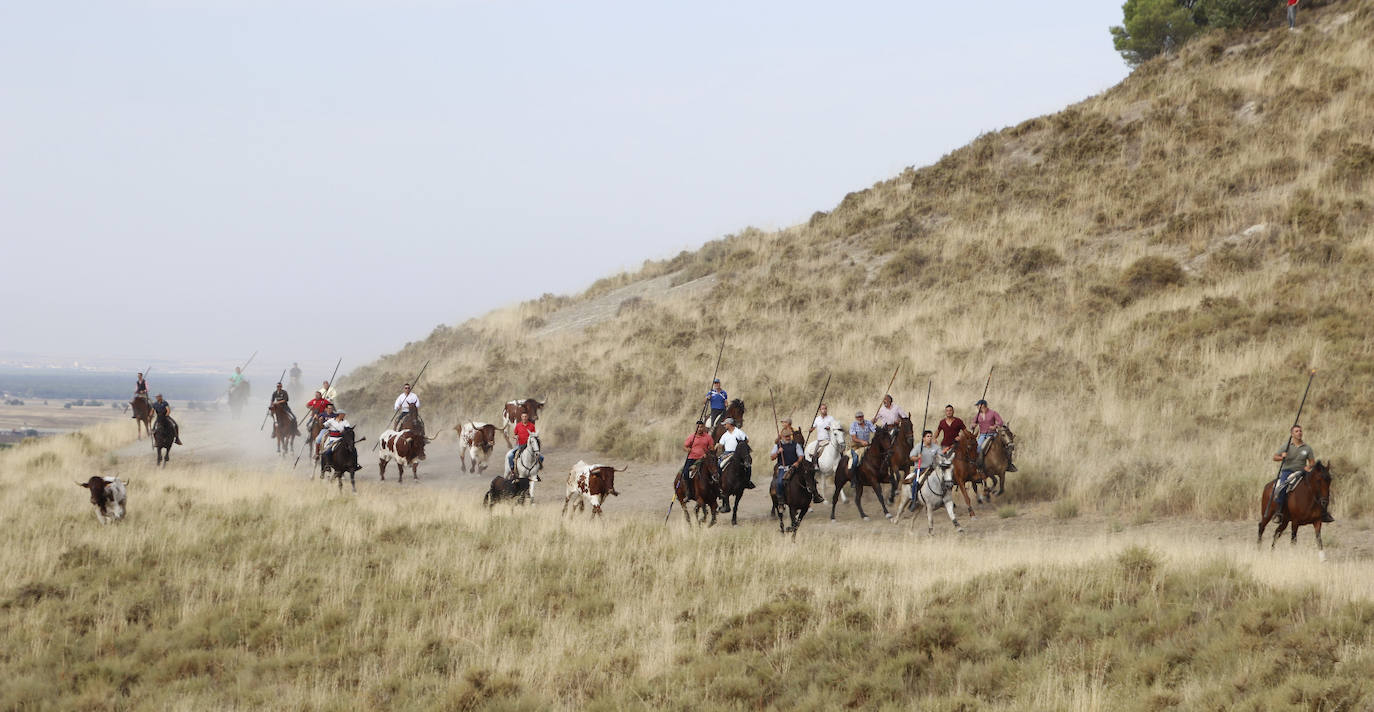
pixel 777 479
pixel 687 468
pixel 983 438
pixel 1292 16
pixel 1281 492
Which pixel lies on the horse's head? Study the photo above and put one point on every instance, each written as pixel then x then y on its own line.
pixel 742 452
pixel 945 463
pixel 735 410
pixel 533 443
pixel 1007 437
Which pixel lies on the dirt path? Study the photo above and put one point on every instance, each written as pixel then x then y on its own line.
pixel 645 490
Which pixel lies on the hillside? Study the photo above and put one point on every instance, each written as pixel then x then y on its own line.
pixel 1150 271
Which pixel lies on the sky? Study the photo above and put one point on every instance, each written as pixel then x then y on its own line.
pixel 195 181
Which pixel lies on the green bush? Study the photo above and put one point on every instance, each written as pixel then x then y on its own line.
pixel 1152 27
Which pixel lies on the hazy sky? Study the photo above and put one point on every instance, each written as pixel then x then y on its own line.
pixel 201 179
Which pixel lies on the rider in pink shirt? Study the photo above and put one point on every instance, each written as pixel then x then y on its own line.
pixel 987 421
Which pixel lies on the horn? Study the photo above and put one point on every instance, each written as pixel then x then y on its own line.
pixel 623 469
pixel 87 485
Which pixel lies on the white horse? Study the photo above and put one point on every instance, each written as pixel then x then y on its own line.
pixel 938 491
pixel 528 465
pixel 828 459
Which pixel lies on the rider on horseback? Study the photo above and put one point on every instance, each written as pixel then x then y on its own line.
pixel 696 446
pixel 949 429
pixel 717 399
pixel 889 415
pixel 860 437
pixel 236 378
pixel 988 421
pixel 788 454
pixel 164 409
pixel 408 404
pixel 925 456
pixel 729 441
pixel 825 423
pixel 1296 456
pixel 280 396
pixel 326 415
pixel 523 430
pixel 141 388
pixel 333 431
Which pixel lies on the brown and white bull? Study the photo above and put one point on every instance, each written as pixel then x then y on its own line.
pixel 510 414
pixel 594 483
pixel 109 496
pixel 404 447
pixel 476 442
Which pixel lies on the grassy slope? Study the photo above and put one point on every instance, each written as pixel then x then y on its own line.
pixel 231 589
pixel 1150 345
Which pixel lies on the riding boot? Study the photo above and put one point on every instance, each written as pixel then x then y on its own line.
pixel 1011 466
pixel 816 497
pixel 176 432
pixel 748 478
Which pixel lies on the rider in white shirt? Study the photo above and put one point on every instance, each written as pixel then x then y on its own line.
pixel 822 426
pixel 333 430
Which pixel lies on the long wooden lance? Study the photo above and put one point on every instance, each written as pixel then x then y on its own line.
pixel 269 408
pixel 926 414
pixel 701 416
pixel 1296 419
pixel 888 391
pixel 241 368
pixel 146 371
pixel 818 412
pixel 396 412
pixel 987 384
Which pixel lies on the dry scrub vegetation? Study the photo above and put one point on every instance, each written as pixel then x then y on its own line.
pixel 228 588
pixel 1151 271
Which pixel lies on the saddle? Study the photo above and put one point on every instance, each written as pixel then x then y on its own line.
pixel 1292 482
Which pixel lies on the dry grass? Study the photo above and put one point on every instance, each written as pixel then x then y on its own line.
pixel 1147 350
pixel 228 588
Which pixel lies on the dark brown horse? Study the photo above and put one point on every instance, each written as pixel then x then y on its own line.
pixel 284 429
pixel 312 432
pixel 995 462
pixel 796 495
pixel 703 488
pixel 873 472
pixel 966 466
pixel 164 436
pixel 900 457
pixel 1306 503
pixel 732 479
pixel 733 409
pixel 143 414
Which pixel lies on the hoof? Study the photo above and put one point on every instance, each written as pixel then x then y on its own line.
pixel 888 515
pixel 866 517
pixel 1321 556
pixel 960 530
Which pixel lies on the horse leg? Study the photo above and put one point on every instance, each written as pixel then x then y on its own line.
pixel 712 505
pixel 734 511
pixel 685 514
pixel 963 489
pixel 949 508
pixel 352 480
pixel 859 499
pixel 906 500
pixel 930 519
pixel 1317 527
pixel 882 500
pixel 1283 522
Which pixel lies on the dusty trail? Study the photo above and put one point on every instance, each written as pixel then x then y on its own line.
pixel 645 490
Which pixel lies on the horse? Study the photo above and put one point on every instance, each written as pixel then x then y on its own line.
pixel 794 496
pixel 734 409
pixel 903 442
pixel 530 461
pixel 1306 504
pixel 829 459
pixel 284 428
pixel 312 432
pixel 343 457
pixel 164 436
pixel 872 473
pixel 937 491
pixel 732 479
pixel 704 490
pixel 412 421
pixel 143 414
pixel 965 467
pixel 238 396
pixel 995 461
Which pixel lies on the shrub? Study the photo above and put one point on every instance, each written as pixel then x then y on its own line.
pixel 905 265
pixel 1025 260
pixel 1149 274
pixel 1065 509
pixel 1152 27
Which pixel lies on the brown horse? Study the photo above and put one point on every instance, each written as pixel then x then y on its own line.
pixel 873 471
pixel 733 409
pixel 900 457
pixel 795 495
pixel 312 432
pixel 703 488
pixel 284 429
pixel 732 479
pixel 143 414
pixel 966 466
pixel 1306 503
pixel 995 462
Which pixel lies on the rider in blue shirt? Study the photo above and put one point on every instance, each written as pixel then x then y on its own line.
pixel 716 398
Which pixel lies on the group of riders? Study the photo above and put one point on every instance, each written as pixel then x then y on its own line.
pixel 787 449
pixel 1296 458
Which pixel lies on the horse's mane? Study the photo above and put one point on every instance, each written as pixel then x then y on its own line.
pixel 737 403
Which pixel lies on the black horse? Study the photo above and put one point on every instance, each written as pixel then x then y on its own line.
pixel 795 495
pixel 732 479
pixel 164 436
pixel 342 458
